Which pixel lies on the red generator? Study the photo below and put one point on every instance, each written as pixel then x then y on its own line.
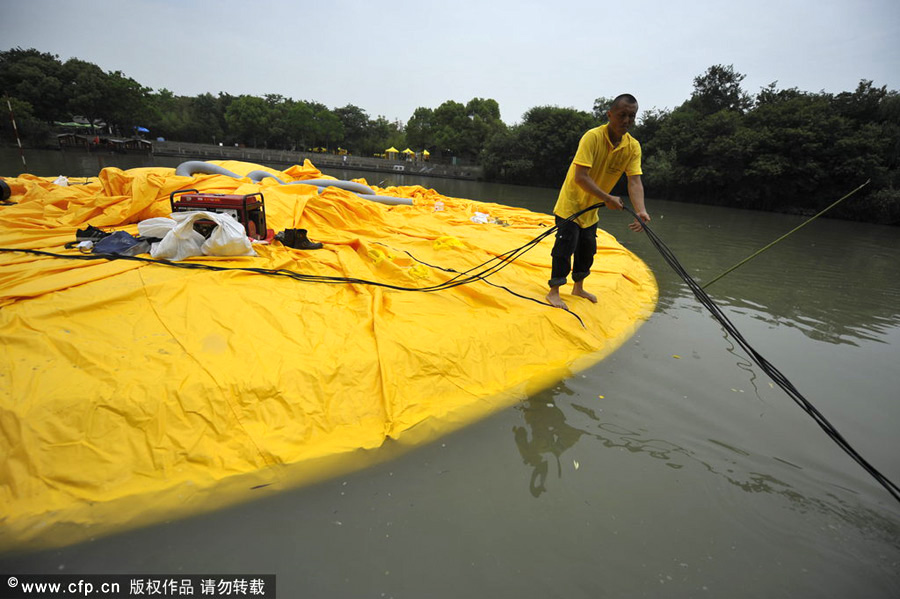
pixel 249 210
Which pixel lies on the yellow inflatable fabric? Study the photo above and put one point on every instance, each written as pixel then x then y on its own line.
pixel 132 392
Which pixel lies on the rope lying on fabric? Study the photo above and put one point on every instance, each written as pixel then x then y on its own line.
pixel 776 375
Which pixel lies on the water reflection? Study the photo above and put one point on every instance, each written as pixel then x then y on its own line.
pixel 837 315
pixel 868 521
pixel 831 281
pixel 550 437
pixel 547 433
pixel 742 362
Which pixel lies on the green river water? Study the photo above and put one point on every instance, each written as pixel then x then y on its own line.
pixel 693 476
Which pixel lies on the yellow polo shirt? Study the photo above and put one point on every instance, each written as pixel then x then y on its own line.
pixel 606 165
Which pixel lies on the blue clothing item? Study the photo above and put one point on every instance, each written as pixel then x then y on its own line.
pixel 121 243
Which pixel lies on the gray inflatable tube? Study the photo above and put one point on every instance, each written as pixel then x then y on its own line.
pixel 257 176
pixel 347 185
pixel 192 167
pixel 389 200
pixel 363 191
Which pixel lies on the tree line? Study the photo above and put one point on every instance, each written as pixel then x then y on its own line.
pixel 780 149
pixel 44 90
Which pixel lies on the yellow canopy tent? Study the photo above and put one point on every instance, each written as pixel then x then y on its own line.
pixel 408 151
pixel 392 152
pixel 426 154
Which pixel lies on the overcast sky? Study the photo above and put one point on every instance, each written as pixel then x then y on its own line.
pixel 390 57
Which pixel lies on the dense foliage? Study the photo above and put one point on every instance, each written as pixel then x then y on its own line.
pixel 539 150
pixel 782 149
pixel 43 91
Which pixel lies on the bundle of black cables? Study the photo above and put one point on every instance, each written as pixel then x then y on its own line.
pixel 476 273
pixel 776 375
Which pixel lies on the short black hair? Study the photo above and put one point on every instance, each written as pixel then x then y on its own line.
pixel 626 98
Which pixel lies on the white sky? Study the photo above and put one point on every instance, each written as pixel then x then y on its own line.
pixel 390 57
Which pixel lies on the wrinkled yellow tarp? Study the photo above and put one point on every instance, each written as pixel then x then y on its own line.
pixel 132 392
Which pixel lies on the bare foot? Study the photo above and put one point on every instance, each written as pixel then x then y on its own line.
pixel 578 290
pixel 555 300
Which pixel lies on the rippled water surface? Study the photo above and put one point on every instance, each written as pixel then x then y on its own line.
pixel 674 468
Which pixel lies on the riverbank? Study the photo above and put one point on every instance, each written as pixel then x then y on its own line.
pixel 195 151
pixel 321 160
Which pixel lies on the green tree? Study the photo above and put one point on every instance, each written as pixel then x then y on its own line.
pixel 504 158
pixel 247 117
pixel 204 116
pixel 328 129
pixel 863 104
pixel 28 127
pixel 786 150
pixel 36 78
pixel 355 123
pixel 788 159
pixel 484 123
pixel 454 129
pixel 719 89
pixel 275 130
pixel 126 102
pixel 540 149
pixel 551 135
pixel 384 134
pixel 163 117
pixel 86 87
pixel 601 107
pixel 300 125
pixel 420 129
pixel 450 124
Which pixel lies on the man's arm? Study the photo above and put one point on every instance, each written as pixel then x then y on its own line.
pixel 636 194
pixel 584 181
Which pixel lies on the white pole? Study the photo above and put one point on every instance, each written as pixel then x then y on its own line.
pixel 16 131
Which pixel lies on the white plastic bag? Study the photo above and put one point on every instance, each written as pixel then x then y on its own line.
pixel 228 239
pixel 180 240
pixel 179 243
pixel 156 227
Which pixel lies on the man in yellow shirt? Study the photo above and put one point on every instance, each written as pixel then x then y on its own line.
pixel 604 153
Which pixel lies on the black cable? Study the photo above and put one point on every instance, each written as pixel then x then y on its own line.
pixel 455 281
pixel 503 287
pixel 767 367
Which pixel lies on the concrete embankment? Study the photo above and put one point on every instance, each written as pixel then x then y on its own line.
pixel 192 151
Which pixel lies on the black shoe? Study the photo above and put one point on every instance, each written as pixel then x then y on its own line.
pixel 297 239
pixel 90 232
pixel 303 242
